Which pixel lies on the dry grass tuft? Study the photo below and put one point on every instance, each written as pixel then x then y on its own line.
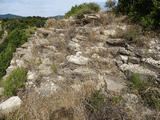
pixel 65 104
pixel 133 34
pixel 71 33
pixel 58 24
pixel 92 36
pixel 101 107
pixel 107 18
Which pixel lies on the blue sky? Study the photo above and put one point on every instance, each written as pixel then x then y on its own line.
pixel 39 7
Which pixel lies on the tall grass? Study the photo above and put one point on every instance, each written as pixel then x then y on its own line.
pixel 15 81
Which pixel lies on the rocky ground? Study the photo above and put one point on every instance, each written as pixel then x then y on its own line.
pixel 67 62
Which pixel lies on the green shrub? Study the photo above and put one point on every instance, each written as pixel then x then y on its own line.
pixel 86 8
pixel 15 81
pixel 144 11
pixel 30 31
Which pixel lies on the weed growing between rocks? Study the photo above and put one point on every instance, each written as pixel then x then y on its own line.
pixel 101 107
pixel 54 68
pixel 132 35
pixel 147 90
pixel 15 81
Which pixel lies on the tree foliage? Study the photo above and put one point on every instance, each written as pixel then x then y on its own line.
pixel 17 36
pixel 110 3
pixel 145 11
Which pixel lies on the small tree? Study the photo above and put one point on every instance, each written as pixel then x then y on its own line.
pixel 110 4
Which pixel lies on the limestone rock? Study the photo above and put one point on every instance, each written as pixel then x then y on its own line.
pixel 46 88
pixel 92 16
pixel 131 98
pixel 144 73
pixel 74 46
pixel 118 63
pixel 112 83
pixel 114 86
pixel 116 42
pixel 10 105
pixel 123 51
pixel 113 50
pixel 110 32
pixel 84 71
pixel 124 58
pixel 32 75
pixel 78 59
pixel 153 64
pixel 134 60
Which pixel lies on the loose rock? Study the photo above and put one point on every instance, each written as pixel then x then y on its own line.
pixel 10 105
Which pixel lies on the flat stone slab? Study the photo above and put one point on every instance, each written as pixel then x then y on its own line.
pixel 10 105
pixel 84 71
pixel 114 86
pixel 136 68
pixel 116 42
pixel 144 73
pixel 78 59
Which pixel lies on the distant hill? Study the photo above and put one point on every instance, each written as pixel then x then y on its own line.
pixel 10 16
pixel 17 16
pixel 57 17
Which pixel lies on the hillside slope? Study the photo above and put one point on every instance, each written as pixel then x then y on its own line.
pixel 10 16
pixel 71 59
